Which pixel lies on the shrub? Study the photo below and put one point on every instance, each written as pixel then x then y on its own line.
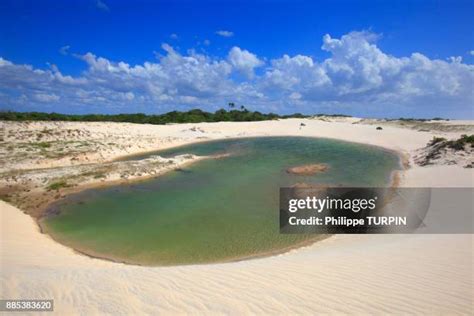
pixel 57 185
pixel 436 140
pixel 459 144
pixel 41 145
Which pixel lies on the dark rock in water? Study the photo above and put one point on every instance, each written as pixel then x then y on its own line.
pixel 183 170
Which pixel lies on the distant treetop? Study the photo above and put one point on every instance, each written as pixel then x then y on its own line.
pixel 192 116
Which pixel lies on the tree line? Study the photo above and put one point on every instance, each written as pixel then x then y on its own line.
pixel 192 116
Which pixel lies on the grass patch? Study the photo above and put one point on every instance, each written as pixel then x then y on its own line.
pixel 41 145
pixel 57 185
pixel 436 140
pixel 459 143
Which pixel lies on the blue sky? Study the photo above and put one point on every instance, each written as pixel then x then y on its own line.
pixel 382 58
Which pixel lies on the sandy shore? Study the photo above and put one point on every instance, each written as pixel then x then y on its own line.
pixel 344 274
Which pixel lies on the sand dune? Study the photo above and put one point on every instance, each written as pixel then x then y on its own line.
pixel 345 274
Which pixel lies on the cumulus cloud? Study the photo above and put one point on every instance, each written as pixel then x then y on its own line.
pixel 224 33
pixel 174 80
pixel 244 61
pixel 357 78
pixel 359 74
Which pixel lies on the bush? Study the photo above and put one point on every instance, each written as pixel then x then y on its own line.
pixel 57 185
pixel 459 144
pixel 436 140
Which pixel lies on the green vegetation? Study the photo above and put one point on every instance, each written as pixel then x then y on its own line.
pixel 192 116
pixel 438 145
pixel 410 119
pixel 57 185
pixel 459 143
pixel 42 145
pixel 436 140
pixel 456 144
pixel 328 115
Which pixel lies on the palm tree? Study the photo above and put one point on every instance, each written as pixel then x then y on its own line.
pixel 231 105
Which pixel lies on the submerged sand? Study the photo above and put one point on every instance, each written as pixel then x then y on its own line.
pixel 358 274
pixel 308 170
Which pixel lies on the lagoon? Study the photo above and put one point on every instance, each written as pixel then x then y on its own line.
pixel 215 210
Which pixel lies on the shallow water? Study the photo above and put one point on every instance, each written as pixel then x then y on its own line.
pixel 215 210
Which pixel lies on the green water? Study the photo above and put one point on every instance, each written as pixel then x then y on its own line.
pixel 215 210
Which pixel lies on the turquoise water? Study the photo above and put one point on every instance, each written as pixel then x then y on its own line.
pixel 215 210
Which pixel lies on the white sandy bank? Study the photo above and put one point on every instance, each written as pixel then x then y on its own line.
pixel 356 274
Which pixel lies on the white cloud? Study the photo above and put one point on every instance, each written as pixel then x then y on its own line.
pixel 101 5
pixel 43 97
pixel 206 42
pixel 359 74
pixel 295 73
pixel 356 78
pixel 175 80
pixel 295 96
pixel 244 61
pixel 64 50
pixel 471 52
pixel 455 59
pixel 174 36
pixel 224 33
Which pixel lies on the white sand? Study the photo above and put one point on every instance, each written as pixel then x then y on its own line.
pixel 357 274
